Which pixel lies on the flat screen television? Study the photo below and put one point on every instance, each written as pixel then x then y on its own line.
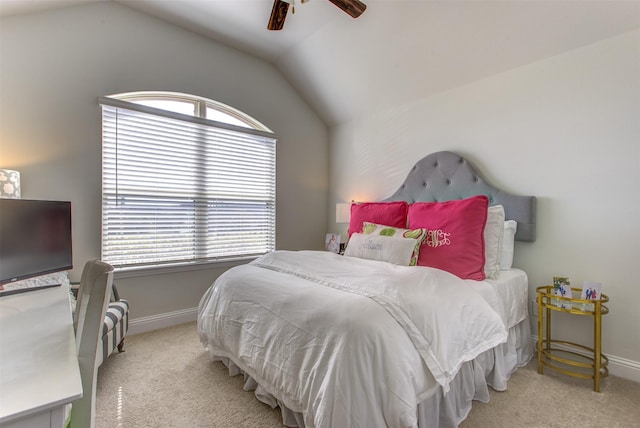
pixel 35 238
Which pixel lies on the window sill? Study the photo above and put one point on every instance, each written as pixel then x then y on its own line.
pixel 133 272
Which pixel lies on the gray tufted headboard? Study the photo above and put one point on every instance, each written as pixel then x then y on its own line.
pixel 445 176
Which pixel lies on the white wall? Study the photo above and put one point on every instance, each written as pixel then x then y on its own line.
pixel 54 67
pixel 567 130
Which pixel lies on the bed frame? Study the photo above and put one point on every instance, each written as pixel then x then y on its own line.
pixel 438 177
pixel 445 176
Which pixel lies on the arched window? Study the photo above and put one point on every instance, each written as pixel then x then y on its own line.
pixel 185 180
pixel 193 106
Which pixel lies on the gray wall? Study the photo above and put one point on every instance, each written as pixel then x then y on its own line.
pixel 54 67
pixel 566 129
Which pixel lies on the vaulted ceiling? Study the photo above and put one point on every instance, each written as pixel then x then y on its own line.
pixel 397 52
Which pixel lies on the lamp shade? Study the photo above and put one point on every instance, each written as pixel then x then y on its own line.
pixel 9 184
pixel 343 213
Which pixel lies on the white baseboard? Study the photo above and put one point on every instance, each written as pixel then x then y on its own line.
pixel 618 366
pixel 156 322
pixel 625 368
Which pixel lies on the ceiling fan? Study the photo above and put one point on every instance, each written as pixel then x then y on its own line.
pixel 353 8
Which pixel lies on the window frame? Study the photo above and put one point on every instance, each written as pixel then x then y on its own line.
pixel 125 101
pixel 200 106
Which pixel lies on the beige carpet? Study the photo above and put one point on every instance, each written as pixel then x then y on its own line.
pixel 165 379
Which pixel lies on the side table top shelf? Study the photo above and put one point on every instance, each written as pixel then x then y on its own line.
pixel 577 306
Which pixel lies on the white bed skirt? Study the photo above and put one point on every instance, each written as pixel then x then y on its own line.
pixel 492 368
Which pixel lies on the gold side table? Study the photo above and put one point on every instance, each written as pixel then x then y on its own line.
pixel 567 357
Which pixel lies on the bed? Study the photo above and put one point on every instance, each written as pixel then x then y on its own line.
pixel 362 341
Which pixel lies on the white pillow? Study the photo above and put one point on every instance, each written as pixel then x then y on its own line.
pixel 508 240
pixel 397 233
pixel 398 251
pixel 493 233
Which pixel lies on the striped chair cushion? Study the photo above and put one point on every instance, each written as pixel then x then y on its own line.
pixel 114 329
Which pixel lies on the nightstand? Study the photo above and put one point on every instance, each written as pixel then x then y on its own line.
pixel 567 357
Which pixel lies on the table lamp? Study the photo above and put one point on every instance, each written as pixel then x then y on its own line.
pixel 9 184
pixel 343 215
pixel 343 212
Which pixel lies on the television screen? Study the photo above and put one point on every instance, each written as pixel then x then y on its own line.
pixel 35 238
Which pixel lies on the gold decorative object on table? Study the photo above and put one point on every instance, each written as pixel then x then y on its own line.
pixel 566 357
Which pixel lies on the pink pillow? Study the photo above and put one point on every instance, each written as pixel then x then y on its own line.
pixel 455 240
pixel 387 213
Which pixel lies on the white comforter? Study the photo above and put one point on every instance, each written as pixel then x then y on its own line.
pixel 346 341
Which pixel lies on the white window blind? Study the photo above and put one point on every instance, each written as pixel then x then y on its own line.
pixel 182 189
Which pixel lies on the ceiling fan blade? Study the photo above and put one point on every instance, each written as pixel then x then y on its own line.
pixel 278 15
pixel 354 8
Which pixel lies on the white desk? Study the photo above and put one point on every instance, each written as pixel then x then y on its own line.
pixel 39 370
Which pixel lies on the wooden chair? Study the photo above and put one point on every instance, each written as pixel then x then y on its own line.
pixel 91 305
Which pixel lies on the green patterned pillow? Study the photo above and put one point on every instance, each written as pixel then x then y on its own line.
pixel 397 233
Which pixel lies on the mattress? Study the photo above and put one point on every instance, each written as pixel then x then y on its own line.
pixel 508 294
